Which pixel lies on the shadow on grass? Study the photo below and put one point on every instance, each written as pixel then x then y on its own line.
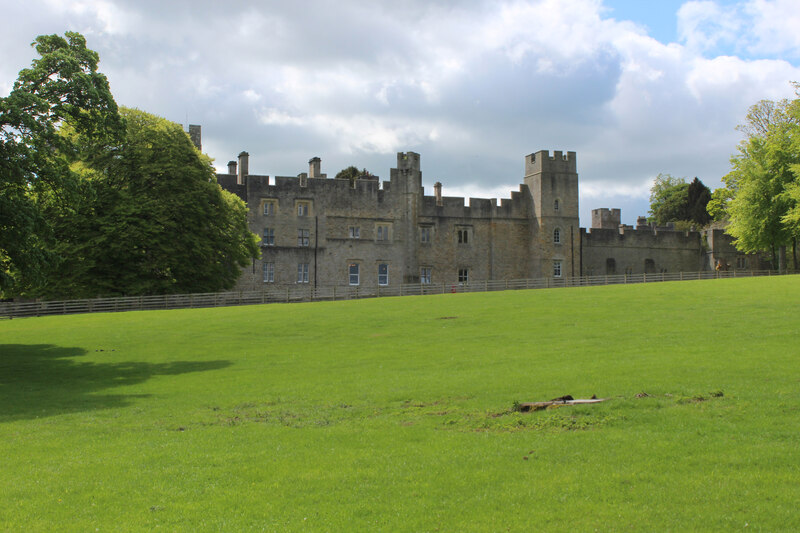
pixel 39 380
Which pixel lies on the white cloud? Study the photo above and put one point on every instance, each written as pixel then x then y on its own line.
pixel 775 26
pixel 472 86
pixel 704 25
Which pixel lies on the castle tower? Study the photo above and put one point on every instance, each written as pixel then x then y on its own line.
pixel 406 182
pixel 555 231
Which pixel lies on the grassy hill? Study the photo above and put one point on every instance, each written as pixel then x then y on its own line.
pixel 396 414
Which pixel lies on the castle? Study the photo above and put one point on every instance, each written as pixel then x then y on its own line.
pixel 321 231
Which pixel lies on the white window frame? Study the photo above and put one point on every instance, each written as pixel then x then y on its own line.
pixel 268 237
pixel 269 272
pixel 302 272
pixel 557 236
pixel 269 208
pixel 303 237
pixel 303 209
pixel 463 276
pixel 425 275
pixel 558 268
pixel 353 274
pixel 383 277
pixel 354 232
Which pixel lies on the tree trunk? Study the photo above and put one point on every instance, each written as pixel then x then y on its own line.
pixel 782 259
pixel 794 253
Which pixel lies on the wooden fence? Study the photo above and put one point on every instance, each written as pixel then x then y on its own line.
pixel 305 293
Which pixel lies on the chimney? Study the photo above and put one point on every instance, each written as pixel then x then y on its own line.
pixel 244 167
pixel 314 167
pixel 437 192
pixel 231 167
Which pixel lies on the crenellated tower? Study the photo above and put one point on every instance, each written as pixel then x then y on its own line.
pixel 555 232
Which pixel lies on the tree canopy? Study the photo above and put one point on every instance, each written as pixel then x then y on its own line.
pixel 156 221
pixel 761 197
pixel 674 200
pixel 62 87
pixel 94 201
pixel 352 173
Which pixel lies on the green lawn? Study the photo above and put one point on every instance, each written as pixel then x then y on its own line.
pixel 394 414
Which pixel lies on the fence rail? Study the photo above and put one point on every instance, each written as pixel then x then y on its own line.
pixel 301 293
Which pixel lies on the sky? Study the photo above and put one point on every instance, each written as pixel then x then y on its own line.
pixel 634 87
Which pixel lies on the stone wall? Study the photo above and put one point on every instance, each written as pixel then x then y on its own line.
pixel 392 228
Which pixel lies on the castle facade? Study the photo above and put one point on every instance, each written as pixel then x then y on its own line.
pixel 321 231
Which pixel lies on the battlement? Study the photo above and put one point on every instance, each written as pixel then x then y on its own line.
pixel 606 218
pixel 460 207
pixel 408 161
pixel 541 161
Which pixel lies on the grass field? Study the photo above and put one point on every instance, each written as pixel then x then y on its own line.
pixel 395 414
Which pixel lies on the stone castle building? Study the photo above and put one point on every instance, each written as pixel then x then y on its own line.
pixel 322 231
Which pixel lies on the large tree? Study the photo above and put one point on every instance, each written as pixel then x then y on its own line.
pixel 155 221
pixel 62 87
pixel 674 200
pixel 761 194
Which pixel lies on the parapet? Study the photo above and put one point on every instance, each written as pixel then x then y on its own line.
pixel 605 218
pixel 541 161
pixel 408 161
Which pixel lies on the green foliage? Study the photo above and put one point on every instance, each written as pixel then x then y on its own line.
pixel 152 220
pixel 62 87
pixel 352 173
pixel 762 187
pixel 276 418
pixel 674 200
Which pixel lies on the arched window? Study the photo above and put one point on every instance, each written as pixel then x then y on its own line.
pixel 557 236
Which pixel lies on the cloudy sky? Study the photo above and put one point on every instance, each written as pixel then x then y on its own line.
pixel 634 87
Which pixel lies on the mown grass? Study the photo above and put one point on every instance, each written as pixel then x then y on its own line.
pixel 396 414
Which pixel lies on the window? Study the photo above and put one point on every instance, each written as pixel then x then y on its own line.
pixel 649 266
pixel 383 233
pixel 557 236
pixel 611 266
pixel 269 272
pixel 302 272
pixel 463 275
pixel 269 208
pixel 463 235
pixel 353 272
pixel 425 275
pixel 302 237
pixel 741 262
pixel 383 274
pixel 556 205
pixel 557 269
pixel 269 237
pixel 424 234
pixel 302 209
pixel 354 232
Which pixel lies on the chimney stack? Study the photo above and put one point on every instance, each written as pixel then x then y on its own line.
pixel 437 192
pixel 244 167
pixel 231 167
pixel 314 167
